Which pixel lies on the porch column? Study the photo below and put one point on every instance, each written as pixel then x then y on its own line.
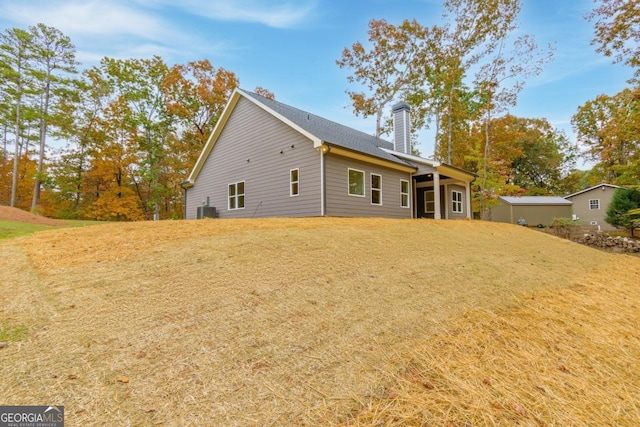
pixel 468 197
pixel 436 195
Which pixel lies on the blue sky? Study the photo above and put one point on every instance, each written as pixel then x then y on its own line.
pixel 290 46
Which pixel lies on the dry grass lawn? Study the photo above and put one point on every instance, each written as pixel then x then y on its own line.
pixel 320 321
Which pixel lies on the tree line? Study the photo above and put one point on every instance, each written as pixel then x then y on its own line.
pixel 462 76
pixel 134 127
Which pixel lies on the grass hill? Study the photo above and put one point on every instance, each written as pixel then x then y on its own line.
pixel 319 321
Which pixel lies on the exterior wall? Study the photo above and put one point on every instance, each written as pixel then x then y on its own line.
pixel 502 213
pixel 586 215
pixel 260 150
pixel 448 204
pixel 533 214
pixel 340 203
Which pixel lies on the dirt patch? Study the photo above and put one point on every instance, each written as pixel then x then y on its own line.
pixel 14 214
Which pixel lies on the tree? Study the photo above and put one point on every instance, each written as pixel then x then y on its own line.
pixel 385 69
pixel 139 84
pixel 15 55
pixel 617 25
pixel 529 157
pixel 83 108
pixel 609 128
pixel 428 66
pixel 53 57
pixel 624 209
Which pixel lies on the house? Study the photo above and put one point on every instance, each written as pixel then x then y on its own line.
pixel 533 210
pixel 590 205
pixel 265 158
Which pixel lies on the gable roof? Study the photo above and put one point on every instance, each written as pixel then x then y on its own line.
pixel 328 131
pixel 592 188
pixel 319 130
pixel 535 200
pixel 345 140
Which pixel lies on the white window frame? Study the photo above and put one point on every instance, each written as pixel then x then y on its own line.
pixel 235 196
pixel 457 203
pixel 364 184
pixel 378 189
pixel 294 183
pixel 404 196
pixel 426 210
pixel 594 202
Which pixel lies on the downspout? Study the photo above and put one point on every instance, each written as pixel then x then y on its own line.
pixel 323 211
pixel 468 197
pixel 184 208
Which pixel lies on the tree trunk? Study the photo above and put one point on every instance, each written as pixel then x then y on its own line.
pixel 16 158
pixel 485 156
pixel 35 201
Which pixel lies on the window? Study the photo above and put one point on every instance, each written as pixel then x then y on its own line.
pixel 429 202
pixel 457 201
pixel 294 182
pixel 236 195
pixel 594 204
pixel 404 193
pixel 356 183
pixel 376 189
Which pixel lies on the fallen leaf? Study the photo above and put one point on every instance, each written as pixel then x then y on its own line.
pixel 123 380
pixel 519 409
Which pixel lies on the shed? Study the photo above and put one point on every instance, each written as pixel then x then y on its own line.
pixel 533 209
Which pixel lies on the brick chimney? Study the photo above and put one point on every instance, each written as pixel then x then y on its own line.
pixel 402 127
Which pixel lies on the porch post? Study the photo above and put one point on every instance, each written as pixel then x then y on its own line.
pixel 468 197
pixel 436 195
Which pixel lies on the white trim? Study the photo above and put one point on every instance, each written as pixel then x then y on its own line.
pixel 323 210
pixel 598 203
pixel 364 183
pixel 291 182
pixel 467 196
pixel 446 201
pixel 454 202
pixel 407 194
pixel 436 196
pixel 432 201
pixel 375 189
pixel 236 195
pixel 407 156
pixel 592 188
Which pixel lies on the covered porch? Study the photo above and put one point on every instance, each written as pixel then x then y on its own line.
pixel 440 196
pixel 440 191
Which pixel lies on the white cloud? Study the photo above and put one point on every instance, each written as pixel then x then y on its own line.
pixel 272 13
pixel 93 18
pixel 114 29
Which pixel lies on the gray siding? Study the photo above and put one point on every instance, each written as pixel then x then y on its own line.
pixel 450 214
pixel 260 150
pixel 340 203
pixel 586 215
